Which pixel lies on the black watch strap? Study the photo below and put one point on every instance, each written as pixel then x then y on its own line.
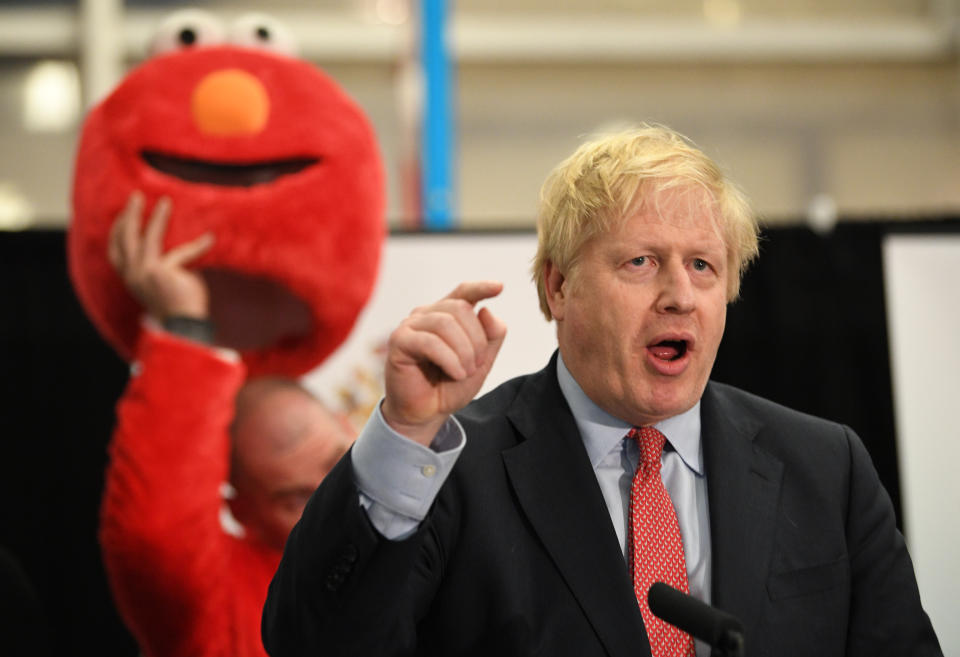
pixel 193 328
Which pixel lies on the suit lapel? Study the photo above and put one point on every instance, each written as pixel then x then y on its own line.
pixel 743 484
pixel 557 489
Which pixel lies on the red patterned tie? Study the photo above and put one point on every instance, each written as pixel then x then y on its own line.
pixel 656 549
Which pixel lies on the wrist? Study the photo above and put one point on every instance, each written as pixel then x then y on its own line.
pixel 420 432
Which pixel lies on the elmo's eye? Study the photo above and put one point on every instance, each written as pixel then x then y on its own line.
pixel 263 31
pixel 188 28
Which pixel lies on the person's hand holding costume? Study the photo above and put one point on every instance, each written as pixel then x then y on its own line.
pixel 160 281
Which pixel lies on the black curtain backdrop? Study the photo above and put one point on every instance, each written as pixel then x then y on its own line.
pixel 809 332
pixel 59 384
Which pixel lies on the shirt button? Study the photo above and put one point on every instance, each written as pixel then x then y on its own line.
pixel 428 470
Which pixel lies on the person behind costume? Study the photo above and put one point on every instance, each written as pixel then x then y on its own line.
pixel 264 190
pixel 184 585
pixel 257 148
pixel 507 525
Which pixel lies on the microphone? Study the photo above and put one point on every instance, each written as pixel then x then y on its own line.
pixel 722 631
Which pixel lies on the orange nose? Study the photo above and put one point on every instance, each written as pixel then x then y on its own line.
pixel 230 102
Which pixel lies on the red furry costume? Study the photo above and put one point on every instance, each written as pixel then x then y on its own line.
pixel 293 193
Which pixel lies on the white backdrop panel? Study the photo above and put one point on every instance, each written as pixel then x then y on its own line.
pixel 922 278
pixel 419 269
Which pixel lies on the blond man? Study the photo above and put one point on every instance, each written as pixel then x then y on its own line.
pixel 534 519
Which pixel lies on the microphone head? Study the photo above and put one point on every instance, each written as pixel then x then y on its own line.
pixel 696 618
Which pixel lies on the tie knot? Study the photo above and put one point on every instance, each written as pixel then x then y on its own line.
pixel 651 442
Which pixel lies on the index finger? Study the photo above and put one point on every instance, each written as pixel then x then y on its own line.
pixel 474 291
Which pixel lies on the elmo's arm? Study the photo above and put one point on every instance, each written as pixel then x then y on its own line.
pixel 163 546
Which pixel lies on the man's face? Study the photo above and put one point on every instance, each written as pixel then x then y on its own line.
pixel 640 317
pixel 287 448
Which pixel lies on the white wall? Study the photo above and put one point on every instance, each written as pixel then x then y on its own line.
pixel 922 276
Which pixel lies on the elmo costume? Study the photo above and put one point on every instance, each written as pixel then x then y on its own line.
pixel 270 156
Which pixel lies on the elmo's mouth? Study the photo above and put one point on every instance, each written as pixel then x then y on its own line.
pixel 228 174
pixel 251 312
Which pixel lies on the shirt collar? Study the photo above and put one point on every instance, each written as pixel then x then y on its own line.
pixel 602 433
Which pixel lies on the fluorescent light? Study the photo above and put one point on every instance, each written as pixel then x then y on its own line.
pixel 51 97
pixel 722 13
pixel 16 212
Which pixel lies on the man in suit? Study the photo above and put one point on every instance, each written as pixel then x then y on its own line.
pixel 532 521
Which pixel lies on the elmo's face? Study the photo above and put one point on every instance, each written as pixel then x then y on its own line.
pixel 268 154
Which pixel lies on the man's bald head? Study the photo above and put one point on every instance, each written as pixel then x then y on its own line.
pixel 257 404
pixel 284 441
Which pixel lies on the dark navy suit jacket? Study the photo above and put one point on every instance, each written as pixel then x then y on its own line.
pixel 518 555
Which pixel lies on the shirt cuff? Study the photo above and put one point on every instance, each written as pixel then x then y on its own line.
pixel 400 478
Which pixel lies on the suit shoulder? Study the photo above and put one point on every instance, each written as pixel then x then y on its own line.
pixel 789 434
pixel 732 400
pixel 493 405
pixel 494 415
pixel 814 450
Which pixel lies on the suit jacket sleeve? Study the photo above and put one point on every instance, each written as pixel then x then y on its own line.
pixel 348 591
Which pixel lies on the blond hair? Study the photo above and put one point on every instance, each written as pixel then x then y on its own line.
pixel 599 184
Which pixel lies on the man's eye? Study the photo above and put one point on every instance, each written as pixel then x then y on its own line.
pixel 639 261
pixel 701 265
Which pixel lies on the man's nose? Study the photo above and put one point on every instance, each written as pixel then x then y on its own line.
pixel 676 291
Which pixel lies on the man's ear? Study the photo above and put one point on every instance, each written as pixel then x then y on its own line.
pixel 555 284
pixel 237 502
pixel 239 509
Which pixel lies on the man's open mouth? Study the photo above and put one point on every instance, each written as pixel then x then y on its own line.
pixel 669 349
pixel 228 174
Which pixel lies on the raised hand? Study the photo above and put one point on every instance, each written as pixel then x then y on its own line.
pixel 160 281
pixel 438 358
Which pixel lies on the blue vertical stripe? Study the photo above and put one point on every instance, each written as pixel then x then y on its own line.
pixel 437 132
